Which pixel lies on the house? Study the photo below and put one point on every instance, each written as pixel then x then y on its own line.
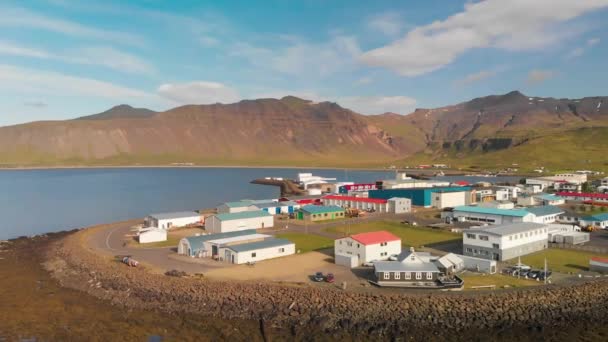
pixel 597 220
pixel 237 247
pixel 222 223
pixel 598 264
pixel 567 186
pixel 361 248
pixel 450 264
pixel 419 196
pixel 320 213
pixel 174 219
pixel 393 205
pixel 584 197
pixel 152 234
pixel 508 192
pixel 506 241
pixel 545 213
pixel 488 215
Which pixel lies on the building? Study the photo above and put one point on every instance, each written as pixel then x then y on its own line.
pixel 152 234
pixel 509 192
pixel 597 264
pixel 234 207
pixel 598 220
pixel 567 186
pixel 584 197
pixel 478 264
pixel 358 187
pixel 488 215
pixel 545 213
pixel 539 199
pixel 276 208
pixel 506 241
pixel 320 213
pixel 497 204
pixel 366 247
pixel 567 234
pixel 222 223
pixel 392 205
pixel 307 180
pixel 237 247
pixel 174 219
pixel 419 196
pixel 449 199
pixel 450 264
pixel 484 195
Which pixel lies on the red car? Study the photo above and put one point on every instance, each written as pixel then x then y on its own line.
pixel 330 278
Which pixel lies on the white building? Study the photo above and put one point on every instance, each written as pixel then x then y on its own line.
pixel 365 247
pixel 508 193
pixel 307 179
pixel 449 199
pixel 545 213
pixel 488 215
pixel 234 207
pixel 497 204
pixel 504 242
pixel 222 223
pixel 394 205
pixel 174 219
pixel 258 251
pixel 275 207
pixel 152 234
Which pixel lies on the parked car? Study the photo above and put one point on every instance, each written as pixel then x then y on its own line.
pixel 318 277
pixel 330 278
pixel 533 274
pixel 523 272
pixel 542 275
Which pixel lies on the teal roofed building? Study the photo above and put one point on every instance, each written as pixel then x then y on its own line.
pixel 229 222
pixel 488 215
pixel 320 213
pixel 598 220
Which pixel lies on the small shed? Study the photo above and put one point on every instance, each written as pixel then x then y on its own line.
pixel 347 260
pixel 152 235
pixel 478 264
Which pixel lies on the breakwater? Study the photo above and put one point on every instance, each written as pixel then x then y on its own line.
pixel 305 309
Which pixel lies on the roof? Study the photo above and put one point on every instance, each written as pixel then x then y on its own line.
pixel 232 239
pixel 492 211
pixel 581 194
pixel 321 209
pixel 196 242
pixel 507 229
pixel 545 210
pixel 245 247
pixel 373 238
pixel 597 217
pixel 174 215
pixel 242 215
pixel 548 197
pixel 355 199
pixel 274 204
pixel 600 259
pixel 238 204
pixel 462 183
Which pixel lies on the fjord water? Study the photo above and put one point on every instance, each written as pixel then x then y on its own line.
pixel 41 201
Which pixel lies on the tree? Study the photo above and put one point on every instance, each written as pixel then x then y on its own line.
pixel 602 208
pixel 586 187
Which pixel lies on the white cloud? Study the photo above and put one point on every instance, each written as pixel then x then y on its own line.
pixel 303 58
pixel 516 25
pixel 36 81
pixel 593 41
pixel 389 24
pixel 579 51
pixel 208 41
pixel 103 56
pixel 539 76
pixel 364 81
pixel 378 104
pixel 23 18
pixel 36 104
pixel 199 92
pixel 476 77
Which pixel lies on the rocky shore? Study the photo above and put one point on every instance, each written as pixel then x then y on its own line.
pixel 306 310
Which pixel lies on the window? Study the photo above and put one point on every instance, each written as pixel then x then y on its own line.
pixel 469 250
pixel 418 275
pixel 358 245
pixel 350 244
pixel 471 236
pixel 495 245
pixel 281 250
pixel 397 275
pixel 387 275
pixel 408 275
pixel 483 238
pixel 383 244
pixel 253 255
pixel 429 275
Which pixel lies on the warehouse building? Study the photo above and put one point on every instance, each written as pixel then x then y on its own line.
pixel 545 213
pixel 392 205
pixel 506 241
pixel 174 219
pixel 598 220
pixel 320 213
pixel 488 215
pixel 449 199
pixel 419 196
pixel 152 234
pixel 222 223
pixel 258 251
pixel 276 208
pixel 234 207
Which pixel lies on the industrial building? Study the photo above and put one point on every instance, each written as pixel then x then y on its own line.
pixel 419 196
pixel 392 205
pixel 355 250
pixel 234 207
pixel 275 208
pixel 402 181
pixel 488 215
pixel 174 219
pixel 449 199
pixel 222 223
pixel 152 234
pixel 567 234
pixel 539 199
pixel 598 220
pixel 320 213
pixel 584 196
pixel 506 241
pixel 545 213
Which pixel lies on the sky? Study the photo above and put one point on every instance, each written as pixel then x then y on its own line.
pixel 61 59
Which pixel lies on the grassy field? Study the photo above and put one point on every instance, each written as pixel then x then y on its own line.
pixel 499 280
pixel 172 241
pixel 410 235
pixel 560 260
pixel 307 242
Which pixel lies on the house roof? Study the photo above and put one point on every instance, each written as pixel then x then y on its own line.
pixel 548 197
pixel 238 204
pixel 545 210
pixel 581 194
pixel 196 242
pixel 492 211
pixel 462 183
pixel 273 204
pixel 268 243
pixel 600 259
pixel 321 209
pixel 355 199
pixel 174 215
pixel 597 217
pixel 507 229
pixel 242 215
pixel 373 238
pixel 403 265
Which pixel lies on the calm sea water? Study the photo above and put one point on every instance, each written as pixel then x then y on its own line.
pixel 40 201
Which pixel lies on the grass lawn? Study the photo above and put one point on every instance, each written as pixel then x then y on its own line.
pixel 560 260
pixel 172 241
pixel 307 242
pixel 500 280
pixel 410 235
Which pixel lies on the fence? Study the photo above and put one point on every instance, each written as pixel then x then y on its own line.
pixel 592 249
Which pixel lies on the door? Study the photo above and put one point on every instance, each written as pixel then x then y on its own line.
pixel 278 210
pixel 214 250
pixel 228 256
pixel 232 258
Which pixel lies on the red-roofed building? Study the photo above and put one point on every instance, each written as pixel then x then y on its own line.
pixel 358 249
pixel 598 264
pixel 393 205
pixel 462 183
pixel 583 196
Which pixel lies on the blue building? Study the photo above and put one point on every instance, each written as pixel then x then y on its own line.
pixel 419 196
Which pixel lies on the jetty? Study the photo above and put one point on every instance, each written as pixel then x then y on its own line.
pixel 288 186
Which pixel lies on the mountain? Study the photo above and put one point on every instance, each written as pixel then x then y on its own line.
pixel 488 131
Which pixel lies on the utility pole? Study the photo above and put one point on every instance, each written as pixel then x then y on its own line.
pixel 519 266
pixel 545 271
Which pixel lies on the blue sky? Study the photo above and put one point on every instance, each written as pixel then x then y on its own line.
pixel 61 58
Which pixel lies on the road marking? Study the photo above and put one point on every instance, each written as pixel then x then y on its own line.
pixel 108 238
